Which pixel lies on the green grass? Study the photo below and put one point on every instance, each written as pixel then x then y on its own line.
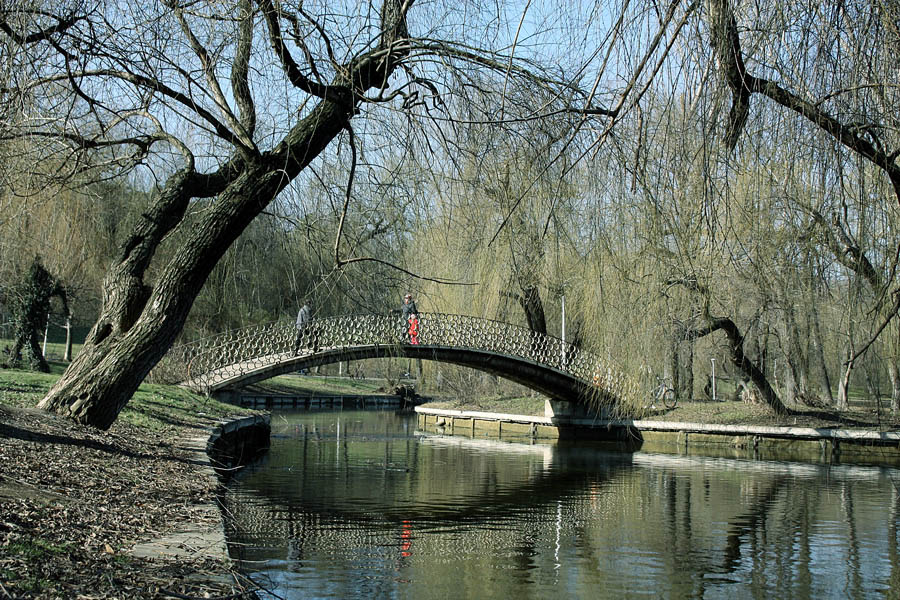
pixel 32 550
pixel 318 385
pixel 36 548
pixel 155 407
pixel 55 350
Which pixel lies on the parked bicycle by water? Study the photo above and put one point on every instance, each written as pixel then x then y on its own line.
pixel 663 394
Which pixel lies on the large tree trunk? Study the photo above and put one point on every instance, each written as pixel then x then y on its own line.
pixel 138 323
pixel 741 361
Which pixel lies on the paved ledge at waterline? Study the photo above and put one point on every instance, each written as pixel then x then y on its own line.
pixel 206 538
pixel 827 443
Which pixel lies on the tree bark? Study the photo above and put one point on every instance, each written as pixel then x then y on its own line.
pixel 534 309
pixel 818 356
pixel 894 374
pixel 139 322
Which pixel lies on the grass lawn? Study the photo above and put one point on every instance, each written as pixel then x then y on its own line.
pixel 154 407
pixel 311 385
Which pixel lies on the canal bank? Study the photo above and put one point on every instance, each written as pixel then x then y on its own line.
pixel 217 452
pixel 78 504
pixel 815 444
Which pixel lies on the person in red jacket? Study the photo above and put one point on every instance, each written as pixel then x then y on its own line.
pixel 413 328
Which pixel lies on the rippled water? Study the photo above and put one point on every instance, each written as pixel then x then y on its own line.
pixel 358 504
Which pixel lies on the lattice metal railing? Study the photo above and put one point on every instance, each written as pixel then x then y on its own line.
pixel 238 352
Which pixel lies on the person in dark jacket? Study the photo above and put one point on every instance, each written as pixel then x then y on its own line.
pixel 303 328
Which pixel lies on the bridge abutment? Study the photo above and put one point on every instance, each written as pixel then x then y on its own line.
pixel 554 408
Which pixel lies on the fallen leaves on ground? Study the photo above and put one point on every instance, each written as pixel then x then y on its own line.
pixel 75 500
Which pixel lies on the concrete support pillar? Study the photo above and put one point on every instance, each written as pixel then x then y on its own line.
pixel 564 409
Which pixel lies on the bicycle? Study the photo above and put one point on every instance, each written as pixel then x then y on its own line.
pixel 665 394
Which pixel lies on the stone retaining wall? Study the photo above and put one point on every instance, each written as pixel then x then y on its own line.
pixel 236 442
pixel 733 441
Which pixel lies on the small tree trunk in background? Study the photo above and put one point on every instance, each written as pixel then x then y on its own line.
pixel 894 375
pixel 843 400
pixel 796 382
pixel 674 366
pixel 534 309
pixel 818 358
pixel 872 388
pixel 687 391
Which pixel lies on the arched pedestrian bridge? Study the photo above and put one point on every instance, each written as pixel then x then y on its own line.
pixel 540 362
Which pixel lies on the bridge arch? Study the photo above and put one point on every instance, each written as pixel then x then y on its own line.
pixel 540 362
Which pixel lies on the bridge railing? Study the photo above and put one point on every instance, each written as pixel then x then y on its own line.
pixel 240 351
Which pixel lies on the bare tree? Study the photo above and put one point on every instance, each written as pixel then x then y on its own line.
pixel 220 106
pixel 105 61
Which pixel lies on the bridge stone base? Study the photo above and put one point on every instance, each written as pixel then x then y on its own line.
pixel 566 409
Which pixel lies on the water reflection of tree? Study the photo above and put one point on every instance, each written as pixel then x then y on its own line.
pixel 893 553
pixel 853 557
pixel 751 524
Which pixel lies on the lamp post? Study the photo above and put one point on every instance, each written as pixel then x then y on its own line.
pixel 563 302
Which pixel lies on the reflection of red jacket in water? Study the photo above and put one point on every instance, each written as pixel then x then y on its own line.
pixel 413 329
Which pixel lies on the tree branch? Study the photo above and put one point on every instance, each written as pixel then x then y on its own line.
pixel 728 51
pixel 63 24
pixel 339 94
pixel 240 85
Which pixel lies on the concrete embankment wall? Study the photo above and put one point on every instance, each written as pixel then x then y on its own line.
pixel 235 442
pixel 285 401
pixel 733 441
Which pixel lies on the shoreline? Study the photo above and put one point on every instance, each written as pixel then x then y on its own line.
pixel 218 452
pixel 816 444
pixel 126 513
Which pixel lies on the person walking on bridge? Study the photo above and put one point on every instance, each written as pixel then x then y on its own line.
pixel 407 309
pixel 304 329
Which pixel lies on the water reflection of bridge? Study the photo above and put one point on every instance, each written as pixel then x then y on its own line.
pixel 546 473
pixel 541 362
pixel 667 506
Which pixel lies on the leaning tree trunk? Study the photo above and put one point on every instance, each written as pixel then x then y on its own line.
pixel 741 361
pixel 139 323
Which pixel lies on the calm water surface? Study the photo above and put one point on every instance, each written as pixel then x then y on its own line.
pixel 358 504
